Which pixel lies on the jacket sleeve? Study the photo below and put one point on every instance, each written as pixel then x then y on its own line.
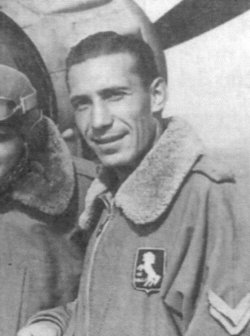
pixel 223 305
pixel 211 292
pixel 60 315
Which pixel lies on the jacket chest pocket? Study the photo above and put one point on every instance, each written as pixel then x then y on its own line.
pixel 13 282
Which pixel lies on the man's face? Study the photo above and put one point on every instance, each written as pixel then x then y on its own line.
pixel 11 147
pixel 112 108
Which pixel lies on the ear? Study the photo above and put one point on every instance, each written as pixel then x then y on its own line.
pixel 158 91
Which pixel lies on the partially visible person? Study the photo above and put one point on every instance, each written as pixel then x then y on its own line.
pixel 40 188
pixel 167 255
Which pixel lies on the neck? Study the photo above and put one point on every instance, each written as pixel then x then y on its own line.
pixel 123 172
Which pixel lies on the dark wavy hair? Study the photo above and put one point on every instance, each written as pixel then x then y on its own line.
pixel 108 43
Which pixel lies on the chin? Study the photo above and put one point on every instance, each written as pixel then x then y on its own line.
pixel 115 160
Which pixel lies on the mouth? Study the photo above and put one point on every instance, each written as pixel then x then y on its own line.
pixel 108 139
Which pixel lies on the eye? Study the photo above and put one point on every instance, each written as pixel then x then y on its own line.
pixel 114 95
pixel 80 106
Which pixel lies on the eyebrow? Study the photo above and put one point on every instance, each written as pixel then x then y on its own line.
pixel 83 99
pixel 114 89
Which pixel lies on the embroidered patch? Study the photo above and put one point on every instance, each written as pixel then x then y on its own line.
pixel 149 269
pixel 234 320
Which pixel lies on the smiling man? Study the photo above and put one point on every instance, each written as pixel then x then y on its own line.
pixel 162 255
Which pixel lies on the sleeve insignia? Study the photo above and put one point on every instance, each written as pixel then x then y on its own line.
pixel 234 320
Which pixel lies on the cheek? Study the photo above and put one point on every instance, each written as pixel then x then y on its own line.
pixel 9 153
pixel 142 127
pixel 144 130
pixel 82 123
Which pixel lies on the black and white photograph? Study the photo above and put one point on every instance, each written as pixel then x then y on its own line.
pixel 124 167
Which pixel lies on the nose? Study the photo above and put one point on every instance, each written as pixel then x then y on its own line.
pixel 101 116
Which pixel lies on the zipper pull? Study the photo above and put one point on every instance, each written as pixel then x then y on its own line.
pixel 109 208
pixel 102 225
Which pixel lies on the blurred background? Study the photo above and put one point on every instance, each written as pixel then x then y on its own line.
pixel 208 66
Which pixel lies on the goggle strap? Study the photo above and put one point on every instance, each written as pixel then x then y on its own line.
pixel 29 102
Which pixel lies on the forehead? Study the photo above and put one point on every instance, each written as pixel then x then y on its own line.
pixel 103 71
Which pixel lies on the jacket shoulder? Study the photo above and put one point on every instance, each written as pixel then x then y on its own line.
pixel 214 168
pixel 84 167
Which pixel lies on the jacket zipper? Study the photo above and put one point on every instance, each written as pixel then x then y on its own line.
pixel 99 234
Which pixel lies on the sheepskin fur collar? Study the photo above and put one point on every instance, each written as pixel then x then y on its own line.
pixel 149 190
pixel 48 186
